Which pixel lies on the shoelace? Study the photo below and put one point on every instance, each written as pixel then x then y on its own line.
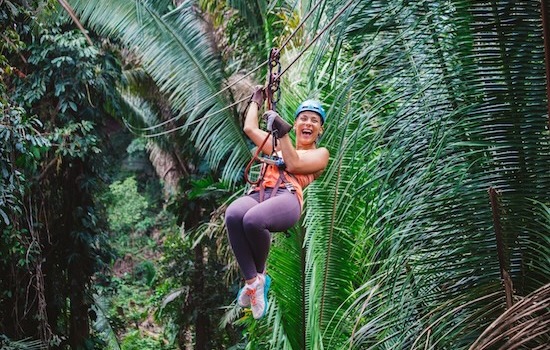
pixel 252 294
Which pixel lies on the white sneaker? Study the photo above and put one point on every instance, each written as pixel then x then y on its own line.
pixel 243 300
pixel 257 293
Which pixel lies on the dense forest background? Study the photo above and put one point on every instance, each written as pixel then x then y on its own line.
pixel 121 146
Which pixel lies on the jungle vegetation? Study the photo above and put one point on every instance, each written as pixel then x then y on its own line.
pixel 122 144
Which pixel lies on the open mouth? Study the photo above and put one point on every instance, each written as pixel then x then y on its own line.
pixel 307 132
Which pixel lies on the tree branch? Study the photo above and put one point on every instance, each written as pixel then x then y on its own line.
pixel 75 19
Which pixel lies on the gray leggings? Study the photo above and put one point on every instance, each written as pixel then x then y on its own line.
pixel 250 222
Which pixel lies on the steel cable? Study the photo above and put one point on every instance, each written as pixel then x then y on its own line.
pixel 133 129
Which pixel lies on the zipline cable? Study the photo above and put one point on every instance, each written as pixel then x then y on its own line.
pixel 202 102
pixel 346 6
pixel 283 45
pixel 207 115
pixel 321 32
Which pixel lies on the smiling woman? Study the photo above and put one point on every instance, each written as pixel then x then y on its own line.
pixel 251 219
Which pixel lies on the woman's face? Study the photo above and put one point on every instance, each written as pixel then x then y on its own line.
pixel 307 126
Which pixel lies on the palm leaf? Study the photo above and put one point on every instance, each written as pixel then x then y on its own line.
pixel 432 158
pixel 435 173
pixel 177 54
pixel 525 325
pixel 101 323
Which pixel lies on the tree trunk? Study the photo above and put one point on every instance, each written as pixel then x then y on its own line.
pixel 79 324
pixel 197 301
pixel 79 269
pixel 202 322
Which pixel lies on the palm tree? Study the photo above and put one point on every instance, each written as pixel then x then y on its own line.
pixel 431 219
pixel 442 113
pixel 175 42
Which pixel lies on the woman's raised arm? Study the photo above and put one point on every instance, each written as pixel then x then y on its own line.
pixel 251 123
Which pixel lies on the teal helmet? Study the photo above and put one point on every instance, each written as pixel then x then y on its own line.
pixel 313 106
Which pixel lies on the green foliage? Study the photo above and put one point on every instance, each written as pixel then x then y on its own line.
pixel 12 42
pixel 76 140
pixel 186 68
pixel 125 205
pixel 49 165
pixel 125 303
pixel 7 344
pixel 21 147
pixel 430 103
pixel 135 341
pixel 177 258
pixel 80 78
pixel 104 325
pixel 69 67
pixel 416 150
pixel 129 297
pixel 137 146
pixel 193 261
pixel 146 271
pixel 240 47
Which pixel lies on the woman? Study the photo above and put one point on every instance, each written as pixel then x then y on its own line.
pixel 276 204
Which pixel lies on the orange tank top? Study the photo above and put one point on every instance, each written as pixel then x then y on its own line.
pixel 299 181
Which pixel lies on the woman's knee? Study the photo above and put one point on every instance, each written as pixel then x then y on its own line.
pixel 253 223
pixel 237 210
pixel 233 213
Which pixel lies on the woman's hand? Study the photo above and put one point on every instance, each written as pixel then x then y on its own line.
pixel 276 124
pixel 258 96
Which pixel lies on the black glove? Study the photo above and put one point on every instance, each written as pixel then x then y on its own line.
pixel 276 124
pixel 258 95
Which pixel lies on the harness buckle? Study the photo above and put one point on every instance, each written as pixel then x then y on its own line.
pixel 274 160
pixel 251 190
pixel 290 187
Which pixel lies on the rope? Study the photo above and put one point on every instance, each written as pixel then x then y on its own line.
pixel 169 131
pixel 204 101
pixel 317 36
pixel 285 42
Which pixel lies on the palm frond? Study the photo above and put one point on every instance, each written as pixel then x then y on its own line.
pixel 255 13
pixel 525 325
pixel 441 143
pixel 177 53
pixel 24 344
